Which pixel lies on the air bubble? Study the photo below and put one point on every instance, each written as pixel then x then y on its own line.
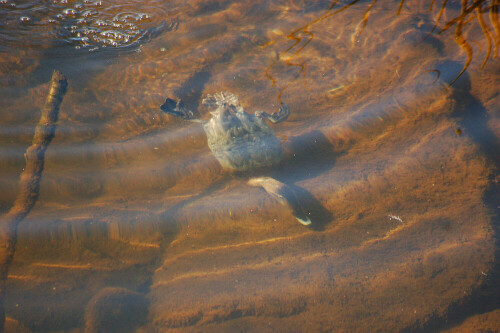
pixel 69 12
pixel 88 13
pixel 94 23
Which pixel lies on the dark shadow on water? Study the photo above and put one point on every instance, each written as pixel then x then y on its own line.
pixel 470 113
pixel 483 299
pixel 191 90
pixel 311 155
pixel 473 118
pixel 318 214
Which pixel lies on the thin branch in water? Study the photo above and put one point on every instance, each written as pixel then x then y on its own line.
pixel 486 33
pixel 29 182
pixel 440 14
pixel 333 4
pixel 464 12
pixel 305 30
pixel 495 24
pixel 431 5
pixel 362 24
pixel 462 42
pixel 400 7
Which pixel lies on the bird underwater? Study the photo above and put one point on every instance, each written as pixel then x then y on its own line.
pixel 243 142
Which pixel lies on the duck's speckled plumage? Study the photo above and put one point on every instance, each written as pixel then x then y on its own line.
pixel 240 141
pixel 243 142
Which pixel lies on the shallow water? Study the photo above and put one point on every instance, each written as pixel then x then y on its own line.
pixel 392 146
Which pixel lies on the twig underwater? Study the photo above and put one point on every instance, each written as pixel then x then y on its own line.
pixel 469 12
pixel 29 182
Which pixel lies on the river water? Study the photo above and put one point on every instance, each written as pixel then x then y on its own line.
pixel 392 145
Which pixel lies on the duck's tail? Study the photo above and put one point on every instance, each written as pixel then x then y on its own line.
pixel 284 194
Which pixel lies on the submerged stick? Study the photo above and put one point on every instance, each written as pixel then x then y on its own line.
pixel 29 183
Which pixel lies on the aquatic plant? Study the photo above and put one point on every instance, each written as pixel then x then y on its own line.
pixel 302 36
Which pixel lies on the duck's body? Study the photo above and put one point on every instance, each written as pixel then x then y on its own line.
pixel 243 142
pixel 240 141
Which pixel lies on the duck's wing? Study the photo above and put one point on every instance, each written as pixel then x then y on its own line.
pixel 284 194
pixel 177 108
pixel 276 117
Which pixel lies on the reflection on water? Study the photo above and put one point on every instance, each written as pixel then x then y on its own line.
pixel 88 24
pixel 392 145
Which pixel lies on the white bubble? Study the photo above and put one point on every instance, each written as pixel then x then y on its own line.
pixel 69 12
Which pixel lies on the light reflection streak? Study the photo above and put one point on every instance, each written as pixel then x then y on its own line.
pixel 169 138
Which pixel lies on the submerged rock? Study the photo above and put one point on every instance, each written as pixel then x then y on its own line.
pixel 115 310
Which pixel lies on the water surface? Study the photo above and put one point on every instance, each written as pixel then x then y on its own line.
pixel 392 145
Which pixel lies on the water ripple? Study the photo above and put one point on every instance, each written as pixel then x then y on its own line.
pixel 85 24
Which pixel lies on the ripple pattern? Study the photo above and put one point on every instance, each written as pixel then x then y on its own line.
pixel 85 24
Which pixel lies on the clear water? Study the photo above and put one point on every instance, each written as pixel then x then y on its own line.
pixel 392 146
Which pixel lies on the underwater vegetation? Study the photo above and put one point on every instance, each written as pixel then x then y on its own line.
pixel 470 12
